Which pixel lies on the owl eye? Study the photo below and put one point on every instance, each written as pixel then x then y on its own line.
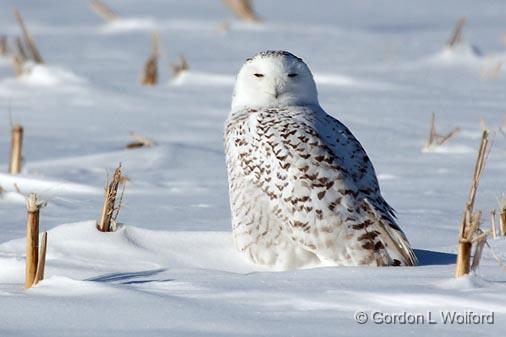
pixel 292 75
pixel 258 75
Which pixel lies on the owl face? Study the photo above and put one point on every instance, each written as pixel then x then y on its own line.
pixel 274 79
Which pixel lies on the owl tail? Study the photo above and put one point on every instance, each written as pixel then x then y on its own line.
pixel 396 245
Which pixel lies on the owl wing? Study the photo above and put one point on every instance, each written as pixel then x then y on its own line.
pixel 315 191
pixel 340 140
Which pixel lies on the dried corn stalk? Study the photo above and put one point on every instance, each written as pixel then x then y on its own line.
pixel 456 36
pixel 32 241
pixel 104 11
pixel 179 67
pixel 150 71
pixel 471 221
pixel 492 224
pixel 4 48
pixel 139 141
pixel 502 214
pixel 16 158
pixel 27 39
pixel 243 9
pixel 435 139
pixel 19 57
pixel 112 204
pixel 17 64
pixel 480 240
pixel 41 264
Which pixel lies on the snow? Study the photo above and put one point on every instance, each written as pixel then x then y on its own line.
pixel 41 75
pixel 171 268
pixel 123 25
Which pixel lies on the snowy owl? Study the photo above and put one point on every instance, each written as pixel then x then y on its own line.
pixel 303 192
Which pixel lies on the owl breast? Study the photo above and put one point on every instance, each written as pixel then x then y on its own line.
pixel 259 233
pixel 303 192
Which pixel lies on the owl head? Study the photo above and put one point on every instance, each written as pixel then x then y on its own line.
pixel 274 79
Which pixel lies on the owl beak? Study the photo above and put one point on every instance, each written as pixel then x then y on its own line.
pixel 277 89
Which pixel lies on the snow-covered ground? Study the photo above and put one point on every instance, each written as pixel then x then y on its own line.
pixel 171 270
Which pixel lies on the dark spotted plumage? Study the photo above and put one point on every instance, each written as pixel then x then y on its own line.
pixel 302 189
pixel 295 187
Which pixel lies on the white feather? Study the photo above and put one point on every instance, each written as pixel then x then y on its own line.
pixel 302 189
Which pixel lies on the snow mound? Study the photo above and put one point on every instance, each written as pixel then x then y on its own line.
pixel 40 79
pixel 65 286
pixel 48 76
pixel 466 282
pixel 79 250
pixel 461 53
pixel 387 176
pixel 128 25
